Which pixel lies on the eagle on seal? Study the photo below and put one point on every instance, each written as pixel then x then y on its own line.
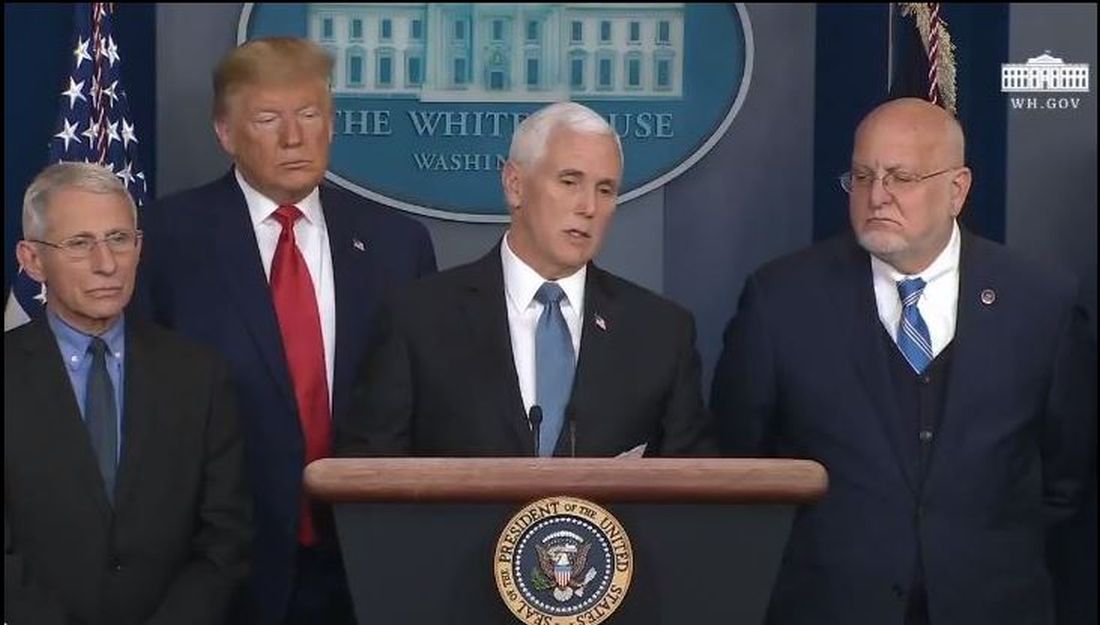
pixel 564 564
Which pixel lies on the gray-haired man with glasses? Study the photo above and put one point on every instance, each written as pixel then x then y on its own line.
pixel 123 494
pixel 945 383
pixel 73 208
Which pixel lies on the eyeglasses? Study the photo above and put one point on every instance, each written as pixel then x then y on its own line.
pixel 893 180
pixel 81 246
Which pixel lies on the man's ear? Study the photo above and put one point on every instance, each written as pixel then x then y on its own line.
pixel 225 138
pixel 960 188
pixel 30 259
pixel 511 179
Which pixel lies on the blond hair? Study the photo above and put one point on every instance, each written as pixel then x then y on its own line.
pixel 268 61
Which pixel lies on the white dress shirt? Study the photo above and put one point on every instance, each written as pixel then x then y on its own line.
pixel 938 303
pixel 311 235
pixel 521 282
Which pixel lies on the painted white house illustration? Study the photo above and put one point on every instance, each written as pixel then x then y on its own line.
pixel 1044 73
pixel 442 52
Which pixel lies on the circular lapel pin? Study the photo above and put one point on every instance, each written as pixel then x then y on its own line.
pixel 988 296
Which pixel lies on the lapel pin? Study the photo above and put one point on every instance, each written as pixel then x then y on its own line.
pixel 988 296
pixel 357 244
pixel 600 323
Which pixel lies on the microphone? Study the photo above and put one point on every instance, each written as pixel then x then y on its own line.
pixel 535 419
pixel 571 418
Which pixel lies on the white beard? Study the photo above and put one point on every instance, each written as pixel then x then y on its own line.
pixel 883 244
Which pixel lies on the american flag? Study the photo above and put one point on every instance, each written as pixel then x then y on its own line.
pixel 93 126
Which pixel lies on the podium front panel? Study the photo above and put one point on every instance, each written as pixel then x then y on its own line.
pixel 432 563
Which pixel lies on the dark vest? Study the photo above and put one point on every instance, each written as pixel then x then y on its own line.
pixel 920 401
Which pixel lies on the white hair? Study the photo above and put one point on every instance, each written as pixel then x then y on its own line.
pixel 529 140
pixel 83 176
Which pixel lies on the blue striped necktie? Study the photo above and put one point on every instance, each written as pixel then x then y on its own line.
pixel 554 366
pixel 913 339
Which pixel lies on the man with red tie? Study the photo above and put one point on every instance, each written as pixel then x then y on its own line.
pixel 282 275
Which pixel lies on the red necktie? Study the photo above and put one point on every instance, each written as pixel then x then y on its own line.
pixel 300 325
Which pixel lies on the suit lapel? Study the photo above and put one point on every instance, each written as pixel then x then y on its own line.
pixel 60 414
pixel 353 272
pixel 597 354
pixel 140 415
pixel 975 331
pixel 858 309
pixel 242 268
pixel 484 306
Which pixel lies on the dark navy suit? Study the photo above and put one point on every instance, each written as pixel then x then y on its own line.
pixel 443 380
pixel 201 275
pixel 805 373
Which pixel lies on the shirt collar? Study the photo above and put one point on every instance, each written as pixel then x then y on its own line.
pixel 521 282
pixel 261 207
pixel 74 343
pixel 943 265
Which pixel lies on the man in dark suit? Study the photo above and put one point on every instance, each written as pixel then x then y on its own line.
pixel 123 480
pixel 945 383
pixel 282 277
pixel 466 356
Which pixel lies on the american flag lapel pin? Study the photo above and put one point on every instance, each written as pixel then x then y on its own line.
pixel 358 245
pixel 600 323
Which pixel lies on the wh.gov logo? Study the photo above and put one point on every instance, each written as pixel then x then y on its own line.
pixel 563 560
pixel 1044 74
pixel 427 95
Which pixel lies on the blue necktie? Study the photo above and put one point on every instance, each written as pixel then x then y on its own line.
pixel 554 366
pixel 100 416
pixel 913 340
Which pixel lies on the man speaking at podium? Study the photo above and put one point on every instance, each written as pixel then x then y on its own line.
pixel 468 360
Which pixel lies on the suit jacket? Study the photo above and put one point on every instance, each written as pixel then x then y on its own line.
pixel 804 373
pixel 174 547
pixel 201 274
pixel 443 382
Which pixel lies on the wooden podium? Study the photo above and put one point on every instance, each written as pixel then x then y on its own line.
pixel 418 534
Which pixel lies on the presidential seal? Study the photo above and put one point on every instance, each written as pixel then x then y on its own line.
pixel 563 560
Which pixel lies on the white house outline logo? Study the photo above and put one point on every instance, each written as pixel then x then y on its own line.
pixel 1044 73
